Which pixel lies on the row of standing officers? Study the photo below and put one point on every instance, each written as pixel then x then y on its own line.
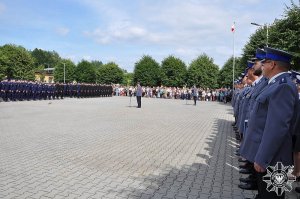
pixel 17 90
pixel 266 109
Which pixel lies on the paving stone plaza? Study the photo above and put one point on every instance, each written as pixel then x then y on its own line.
pixel 106 148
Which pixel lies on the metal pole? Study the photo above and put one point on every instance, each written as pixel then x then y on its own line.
pixel 267 34
pixel 64 73
pixel 233 62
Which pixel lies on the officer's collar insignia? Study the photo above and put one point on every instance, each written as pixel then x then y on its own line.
pixel 273 81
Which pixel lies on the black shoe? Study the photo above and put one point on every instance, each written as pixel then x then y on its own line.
pixel 247 186
pixel 242 160
pixel 245 166
pixel 246 171
pixel 248 180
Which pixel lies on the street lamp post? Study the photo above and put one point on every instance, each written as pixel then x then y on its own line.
pixel 64 73
pixel 256 24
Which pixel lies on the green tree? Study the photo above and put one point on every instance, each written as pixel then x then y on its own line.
pixel 257 40
pixel 47 59
pixel 16 62
pixel 110 73
pixel 285 33
pixel 69 67
pixel 97 64
pixel 147 72
pixel 85 72
pixel 225 74
pixel 173 72
pixel 4 62
pixel 203 72
pixel 128 79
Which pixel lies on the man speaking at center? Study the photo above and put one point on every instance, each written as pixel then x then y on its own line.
pixel 139 92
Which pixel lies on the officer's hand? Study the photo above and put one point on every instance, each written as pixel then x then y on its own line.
pixel 259 168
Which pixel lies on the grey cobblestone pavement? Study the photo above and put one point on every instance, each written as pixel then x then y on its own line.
pixel 105 148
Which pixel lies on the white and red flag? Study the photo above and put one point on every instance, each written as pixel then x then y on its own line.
pixel 233 27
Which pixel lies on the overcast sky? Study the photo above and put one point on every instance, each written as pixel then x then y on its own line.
pixel 124 30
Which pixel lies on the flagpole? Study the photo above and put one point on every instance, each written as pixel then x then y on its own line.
pixel 233 58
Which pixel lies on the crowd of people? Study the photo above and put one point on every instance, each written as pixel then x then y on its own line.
pixel 19 90
pixel 221 95
pixel 266 104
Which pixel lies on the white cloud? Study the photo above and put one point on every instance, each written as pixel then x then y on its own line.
pixel 186 52
pixel 164 23
pixel 184 28
pixel 118 33
pixel 2 8
pixel 62 31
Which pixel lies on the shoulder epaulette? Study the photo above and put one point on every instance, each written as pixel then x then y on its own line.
pixel 282 80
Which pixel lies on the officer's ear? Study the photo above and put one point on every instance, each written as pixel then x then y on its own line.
pixel 273 64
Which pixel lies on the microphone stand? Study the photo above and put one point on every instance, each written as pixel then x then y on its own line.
pixel 130 101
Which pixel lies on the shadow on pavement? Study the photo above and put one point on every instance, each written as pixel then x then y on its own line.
pixel 212 175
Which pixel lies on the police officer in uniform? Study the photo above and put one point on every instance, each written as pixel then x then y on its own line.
pixel 259 82
pixel 296 141
pixel 270 125
pixel 2 90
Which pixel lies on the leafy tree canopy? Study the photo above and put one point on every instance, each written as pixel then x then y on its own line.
pixel 85 72
pixel 173 72
pixel 16 63
pixel 65 67
pixel 147 72
pixel 203 73
pixel 47 59
pixel 283 34
pixel 225 78
pixel 128 79
pixel 110 73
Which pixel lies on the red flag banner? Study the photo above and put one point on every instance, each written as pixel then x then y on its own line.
pixel 233 28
